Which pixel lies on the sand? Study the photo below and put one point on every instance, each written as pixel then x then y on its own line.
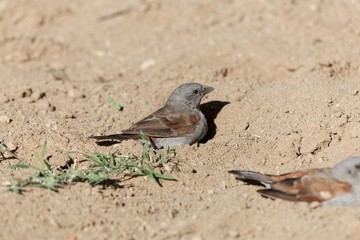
pixel 286 78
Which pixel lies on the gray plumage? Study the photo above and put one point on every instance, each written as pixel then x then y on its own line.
pixel 179 122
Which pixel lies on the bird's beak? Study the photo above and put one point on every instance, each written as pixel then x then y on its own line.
pixel 207 89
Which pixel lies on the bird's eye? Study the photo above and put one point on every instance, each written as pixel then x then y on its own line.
pixel 195 92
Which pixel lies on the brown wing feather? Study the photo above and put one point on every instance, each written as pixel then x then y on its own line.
pixel 271 193
pixel 312 185
pixel 165 123
pixel 278 178
pixel 315 185
pixel 321 189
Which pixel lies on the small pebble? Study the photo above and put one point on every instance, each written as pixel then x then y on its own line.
pixel 5 119
pixel 234 234
pixel 146 64
pixel 314 205
pixel 27 93
pixel 11 146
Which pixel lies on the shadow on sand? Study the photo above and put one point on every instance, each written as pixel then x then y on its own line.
pixel 211 110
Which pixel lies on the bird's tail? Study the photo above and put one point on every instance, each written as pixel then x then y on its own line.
pixel 116 137
pixel 108 137
pixel 109 140
pixel 249 176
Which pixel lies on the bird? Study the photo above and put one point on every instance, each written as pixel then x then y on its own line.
pixel 339 185
pixel 179 122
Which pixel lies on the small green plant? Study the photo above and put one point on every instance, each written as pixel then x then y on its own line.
pixel 114 104
pixel 100 168
pixel 45 176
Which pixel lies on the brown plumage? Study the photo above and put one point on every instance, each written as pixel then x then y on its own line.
pixel 180 121
pixel 339 185
pixel 160 124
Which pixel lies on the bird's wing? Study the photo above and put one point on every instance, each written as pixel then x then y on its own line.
pixel 166 123
pixel 314 185
pixel 265 179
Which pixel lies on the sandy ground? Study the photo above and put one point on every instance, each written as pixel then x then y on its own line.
pixel 289 70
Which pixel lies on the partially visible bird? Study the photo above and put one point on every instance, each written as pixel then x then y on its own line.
pixel 179 122
pixel 339 185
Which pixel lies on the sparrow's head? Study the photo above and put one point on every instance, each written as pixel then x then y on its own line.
pixel 188 95
pixel 348 170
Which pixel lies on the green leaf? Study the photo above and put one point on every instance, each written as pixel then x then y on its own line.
pixel 118 106
pixel 96 157
pixel 15 188
pixel 19 165
pixel 43 152
pixel 154 175
pixel 163 176
pixel 44 164
pixel 96 177
pixel 143 136
pixel 115 105
pixel 110 99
